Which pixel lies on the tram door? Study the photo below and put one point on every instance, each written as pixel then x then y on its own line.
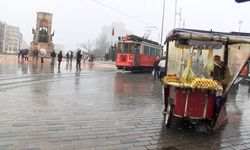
pixel 136 52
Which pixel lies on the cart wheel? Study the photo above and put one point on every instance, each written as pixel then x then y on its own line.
pixel 172 121
pixel 203 126
pixel 168 113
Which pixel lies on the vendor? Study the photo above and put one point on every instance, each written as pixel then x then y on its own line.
pixel 162 68
pixel 221 72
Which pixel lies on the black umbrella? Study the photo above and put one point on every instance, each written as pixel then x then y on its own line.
pixel 24 51
pixel 241 1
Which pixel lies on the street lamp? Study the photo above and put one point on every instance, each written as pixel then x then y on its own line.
pixel 162 24
pixel 240 22
pixel 180 19
pixel 175 13
pixel 183 23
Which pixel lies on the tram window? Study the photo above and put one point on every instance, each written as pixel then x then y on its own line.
pixel 157 52
pixel 136 49
pixel 152 51
pixel 146 50
pixel 124 47
pixel 130 48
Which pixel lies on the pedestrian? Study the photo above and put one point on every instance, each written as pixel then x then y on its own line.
pixel 92 58
pixel 59 56
pixel 53 56
pixel 78 60
pixel 26 57
pixel 71 57
pixel 35 54
pixel 156 68
pixel 22 57
pixel 19 54
pixel 162 68
pixel 67 57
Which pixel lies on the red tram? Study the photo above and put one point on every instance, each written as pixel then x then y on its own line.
pixel 137 54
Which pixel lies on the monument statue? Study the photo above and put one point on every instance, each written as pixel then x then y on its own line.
pixel 42 35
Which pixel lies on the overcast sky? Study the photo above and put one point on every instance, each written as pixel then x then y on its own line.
pixel 77 21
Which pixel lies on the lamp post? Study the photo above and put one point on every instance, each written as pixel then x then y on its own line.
pixel 180 19
pixel 175 13
pixel 183 23
pixel 240 22
pixel 162 24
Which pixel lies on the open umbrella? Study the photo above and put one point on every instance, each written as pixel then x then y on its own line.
pixel 24 51
pixel 42 51
pixel 241 1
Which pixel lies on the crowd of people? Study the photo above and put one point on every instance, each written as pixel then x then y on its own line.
pixel 69 58
pixel 79 55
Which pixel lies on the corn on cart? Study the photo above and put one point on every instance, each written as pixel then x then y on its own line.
pixel 192 94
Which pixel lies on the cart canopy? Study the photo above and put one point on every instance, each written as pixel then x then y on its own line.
pixel 186 35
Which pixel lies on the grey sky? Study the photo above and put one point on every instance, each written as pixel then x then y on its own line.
pixel 81 20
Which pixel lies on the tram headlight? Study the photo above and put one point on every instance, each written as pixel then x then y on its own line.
pixel 131 57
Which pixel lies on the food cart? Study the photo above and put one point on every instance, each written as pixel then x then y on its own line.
pixel 192 96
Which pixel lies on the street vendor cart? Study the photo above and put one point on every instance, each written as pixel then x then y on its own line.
pixel 192 93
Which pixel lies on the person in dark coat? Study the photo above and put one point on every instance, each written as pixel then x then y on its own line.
pixel 162 69
pixel 156 68
pixel 71 57
pixel 78 60
pixel 67 57
pixel 59 56
pixel 53 56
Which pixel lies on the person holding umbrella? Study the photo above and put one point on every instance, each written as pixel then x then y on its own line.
pixel 78 60
pixel 24 54
pixel 59 56
pixel 42 54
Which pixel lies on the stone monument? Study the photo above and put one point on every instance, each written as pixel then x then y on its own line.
pixel 42 36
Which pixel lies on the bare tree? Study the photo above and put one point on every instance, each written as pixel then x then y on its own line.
pixel 88 45
pixel 101 46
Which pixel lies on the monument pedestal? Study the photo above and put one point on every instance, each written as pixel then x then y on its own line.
pixel 42 38
pixel 39 45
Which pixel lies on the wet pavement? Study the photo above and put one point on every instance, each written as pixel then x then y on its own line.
pixel 44 108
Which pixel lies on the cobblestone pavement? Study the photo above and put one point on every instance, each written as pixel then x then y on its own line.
pixel 98 109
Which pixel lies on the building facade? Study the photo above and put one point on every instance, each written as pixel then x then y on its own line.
pixel 2 27
pixel 10 39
